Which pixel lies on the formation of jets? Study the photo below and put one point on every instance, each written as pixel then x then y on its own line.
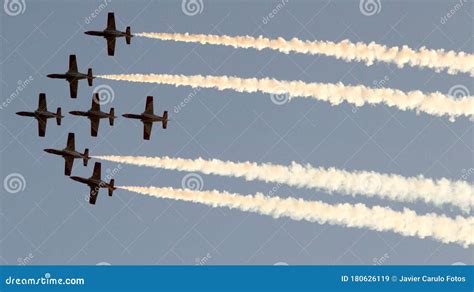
pixel 94 114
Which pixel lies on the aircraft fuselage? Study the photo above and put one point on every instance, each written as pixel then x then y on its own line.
pixel 93 183
pixel 69 76
pixel 65 153
pixel 37 114
pixel 107 33
pixel 91 114
pixel 144 117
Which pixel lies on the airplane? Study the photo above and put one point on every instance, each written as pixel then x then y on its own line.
pixel 148 118
pixel 110 33
pixel 73 76
pixel 94 115
pixel 69 154
pixel 95 183
pixel 42 115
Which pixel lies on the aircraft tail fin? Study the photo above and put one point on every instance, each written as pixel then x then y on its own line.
pixel 111 116
pixel 165 119
pixel 86 156
pixel 128 35
pixel 112 187
pixel 58 116
pixel 90 78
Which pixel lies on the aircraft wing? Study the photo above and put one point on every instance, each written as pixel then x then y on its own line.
pixel 149 105
pixel 72 63
pixel 111 46
pixel 93 196
pixel 70 142
pixel 95 103
pixel 96 174
pixel 147 130
pixel 42 102
pixel 111 21
pixel 73 88
pixel 42 126
pixel 94 126
pixel 68 162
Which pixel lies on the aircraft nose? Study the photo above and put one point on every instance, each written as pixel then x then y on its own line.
pixel 49 75
pixel 47 150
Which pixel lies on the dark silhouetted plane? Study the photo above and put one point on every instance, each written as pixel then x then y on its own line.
pixel 73 76
pixel 69 154
pixel 95 183
pixel 42 115
pixel 148 118
pixel 110 33
pixel 94 115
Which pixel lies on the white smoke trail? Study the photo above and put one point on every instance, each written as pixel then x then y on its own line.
pixel 453 62
pixel 435 103
pixel 371 184
pixel 407 223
